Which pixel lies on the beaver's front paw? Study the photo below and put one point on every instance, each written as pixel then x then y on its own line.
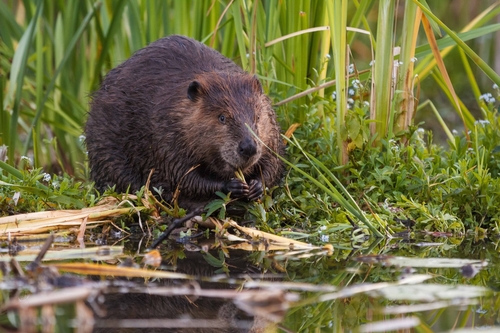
pixel 255 190
pixel 237 188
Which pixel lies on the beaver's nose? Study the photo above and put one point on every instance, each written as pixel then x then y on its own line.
pixel 247 148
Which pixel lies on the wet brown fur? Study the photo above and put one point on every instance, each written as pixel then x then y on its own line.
pixel 142 118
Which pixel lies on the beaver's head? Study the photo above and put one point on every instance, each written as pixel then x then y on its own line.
pixel 229 111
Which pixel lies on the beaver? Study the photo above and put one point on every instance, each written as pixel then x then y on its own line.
pixel 190 114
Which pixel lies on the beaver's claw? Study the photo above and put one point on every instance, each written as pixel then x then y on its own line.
pixel 255 190
pixel 240 190
pixel 237 188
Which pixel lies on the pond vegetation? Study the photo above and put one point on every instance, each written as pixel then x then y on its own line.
pixel 387 218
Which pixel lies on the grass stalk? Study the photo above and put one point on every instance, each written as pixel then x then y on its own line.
pixel 338 15
pixel 325 43
pixel 236 9
pixel 443 71
pixel 108 38
pixel 404 84
pixel 470 75
pixel 362 9
pixel 380 106
pixel 37 153
pixel 4 116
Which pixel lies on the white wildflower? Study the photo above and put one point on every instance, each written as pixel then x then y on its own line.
pixel 394 145
pixel 482 122
pixel 495 86
pixel 486 97
pixel 27 159
pixel 351 68
pixel 351 92
pixel 334 95
pixel 324 238
pixel 357 84
pixel 46 177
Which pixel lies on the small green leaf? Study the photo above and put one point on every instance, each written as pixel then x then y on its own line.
pixel 213 261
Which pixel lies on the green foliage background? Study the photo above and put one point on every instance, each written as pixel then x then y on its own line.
pixel 53 54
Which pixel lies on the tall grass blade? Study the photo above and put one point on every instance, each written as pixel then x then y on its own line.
pixel 442 68
pixel 37 153
pixel 108 39
pixel 406 108
pixel 338 16
pixel 236 9
pixel 4 119
pixel 362 10
pixel 9 28
pixel 18 70
pixel 380 106
pixel 136 37
pixel 471 79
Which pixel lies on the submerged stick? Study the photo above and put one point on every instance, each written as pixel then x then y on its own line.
pixel 32 266
pixel 175 224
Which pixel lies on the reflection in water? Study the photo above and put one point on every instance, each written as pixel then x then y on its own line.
pixel 137 312
pixel 350 290
pixel 200 315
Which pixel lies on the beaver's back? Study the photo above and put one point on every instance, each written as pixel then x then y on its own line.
pixel 165 63
pixel 170 60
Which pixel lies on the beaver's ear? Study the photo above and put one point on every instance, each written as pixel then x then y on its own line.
pixel 194 91
pixel 256 84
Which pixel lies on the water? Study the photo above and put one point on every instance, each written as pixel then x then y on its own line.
pixel 433 284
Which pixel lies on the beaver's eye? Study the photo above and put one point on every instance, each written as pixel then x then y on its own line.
pixel 222 118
